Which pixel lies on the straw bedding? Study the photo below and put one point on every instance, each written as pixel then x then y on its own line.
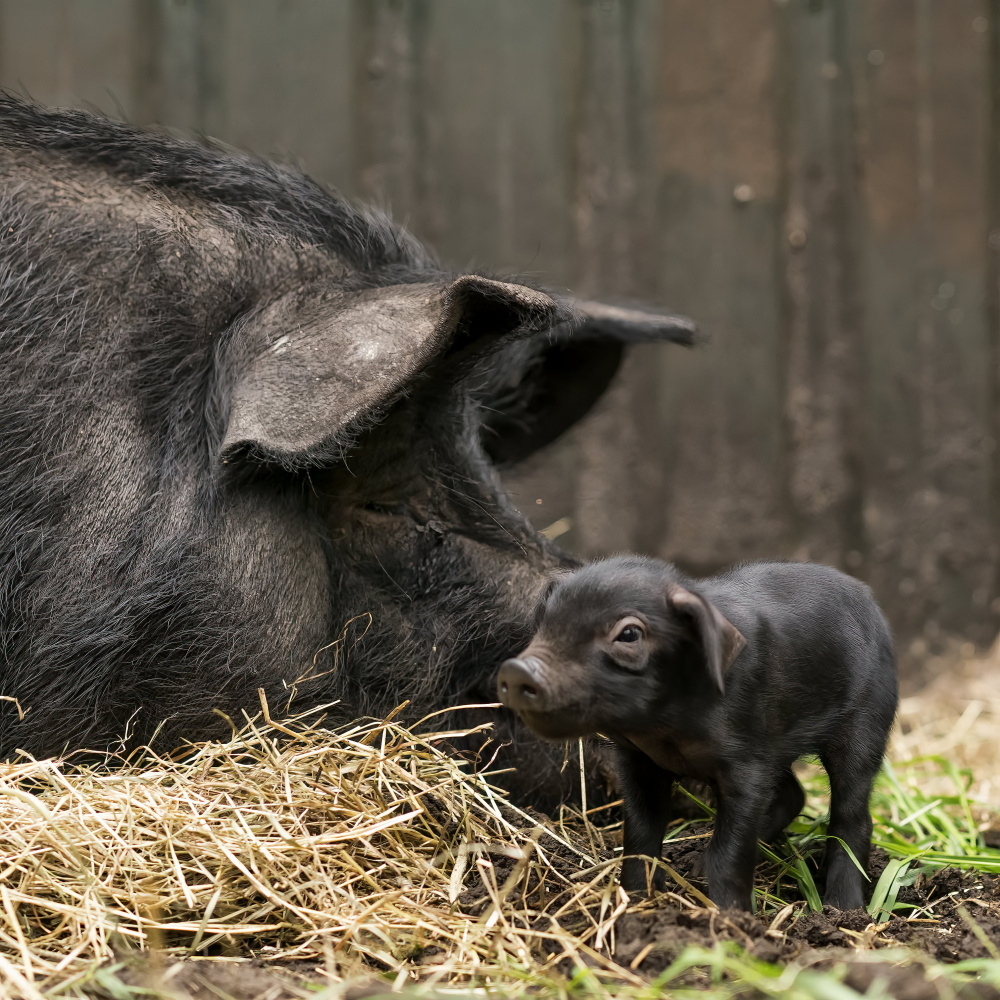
pixel 367 848
pixel 957 715
pixel 345 853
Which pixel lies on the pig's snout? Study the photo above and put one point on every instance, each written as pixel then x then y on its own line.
pixel 519 685
pixel 552 696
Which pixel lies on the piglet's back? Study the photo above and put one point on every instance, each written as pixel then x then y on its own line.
pixel 805 625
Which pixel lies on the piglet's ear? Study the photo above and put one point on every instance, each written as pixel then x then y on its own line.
pixel 720 638
pixel 304 372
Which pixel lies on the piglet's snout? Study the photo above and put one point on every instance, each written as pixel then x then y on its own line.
pixel 520 685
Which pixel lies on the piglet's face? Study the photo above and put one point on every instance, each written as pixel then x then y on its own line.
pixel 596 662
pixel 618 640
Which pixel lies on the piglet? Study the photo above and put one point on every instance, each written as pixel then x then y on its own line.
pixel 728 679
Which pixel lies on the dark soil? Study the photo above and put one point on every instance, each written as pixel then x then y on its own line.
pixel 948 916
pixel 944 906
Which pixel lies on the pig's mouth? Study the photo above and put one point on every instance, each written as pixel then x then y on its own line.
pixel 523 687
pixel 556 725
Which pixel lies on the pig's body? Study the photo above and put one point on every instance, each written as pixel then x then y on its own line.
pixel 818 656
pixel 248 436
pixel 732 680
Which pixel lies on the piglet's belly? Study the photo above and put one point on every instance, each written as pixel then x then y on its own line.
pixel 691 758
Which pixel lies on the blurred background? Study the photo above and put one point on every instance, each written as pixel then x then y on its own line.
pixel 816 182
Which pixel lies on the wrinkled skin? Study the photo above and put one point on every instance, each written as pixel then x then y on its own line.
pixel 728 680
pixel 422 526
pixel 248 437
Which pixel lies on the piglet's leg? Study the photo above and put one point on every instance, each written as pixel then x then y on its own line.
pixel 732 853
pixel 646 791
pixel 786 804
pixel 851 779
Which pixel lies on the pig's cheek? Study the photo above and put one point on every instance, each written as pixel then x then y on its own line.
pixel 622 699
pixel 416 559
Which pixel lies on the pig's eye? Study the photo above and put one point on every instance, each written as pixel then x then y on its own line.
pixel 631 633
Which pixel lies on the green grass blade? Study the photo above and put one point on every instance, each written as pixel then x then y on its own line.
pixel 887 889
pixel 857 864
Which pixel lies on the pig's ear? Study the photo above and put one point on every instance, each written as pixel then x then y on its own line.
pixel 720 638
pixel 568 373
pixel 303 373
pixel 626 324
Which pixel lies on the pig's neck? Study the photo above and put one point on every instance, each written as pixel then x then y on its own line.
pixel 687 754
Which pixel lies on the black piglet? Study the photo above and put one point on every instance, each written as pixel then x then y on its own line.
pixel 728 679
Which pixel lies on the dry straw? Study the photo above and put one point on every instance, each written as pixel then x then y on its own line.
pixel 363 849
pixel 355 851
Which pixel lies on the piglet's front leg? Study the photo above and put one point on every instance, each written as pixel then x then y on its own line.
pixel 646 791
pixel 732 852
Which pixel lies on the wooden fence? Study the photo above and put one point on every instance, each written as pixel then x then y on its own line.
pixel 817 182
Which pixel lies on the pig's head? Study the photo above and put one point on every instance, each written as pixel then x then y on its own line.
pixel 393 406
pixel 618 641
pixel 255 434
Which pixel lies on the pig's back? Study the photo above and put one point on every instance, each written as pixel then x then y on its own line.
pixel 813 633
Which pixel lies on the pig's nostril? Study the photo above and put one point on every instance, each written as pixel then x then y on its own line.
pixel 517 685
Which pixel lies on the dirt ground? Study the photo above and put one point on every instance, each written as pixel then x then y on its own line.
pixel 959 919
pixel 955 915
pixel 951 904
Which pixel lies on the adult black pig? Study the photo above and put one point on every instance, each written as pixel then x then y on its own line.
pixel 729 680
pixel 248 437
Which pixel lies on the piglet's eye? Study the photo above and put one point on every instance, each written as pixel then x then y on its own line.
pixel 631 633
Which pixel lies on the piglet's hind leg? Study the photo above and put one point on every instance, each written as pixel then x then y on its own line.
pixel 785 806
pixel 851 781
pixel 646 791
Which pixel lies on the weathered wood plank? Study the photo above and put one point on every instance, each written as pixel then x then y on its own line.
pixel 927 510
pixel 68 52
pixel 817 182
pixel 991 293
pixel 718 410
pixel 819 248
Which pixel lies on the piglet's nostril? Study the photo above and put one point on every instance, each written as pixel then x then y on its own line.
pixel 518 685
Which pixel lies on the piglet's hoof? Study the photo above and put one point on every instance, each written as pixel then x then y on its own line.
pixel 834 910
pixel 637 879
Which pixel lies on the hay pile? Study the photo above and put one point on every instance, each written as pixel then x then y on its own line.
pixel 362 850
pixel 348 853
